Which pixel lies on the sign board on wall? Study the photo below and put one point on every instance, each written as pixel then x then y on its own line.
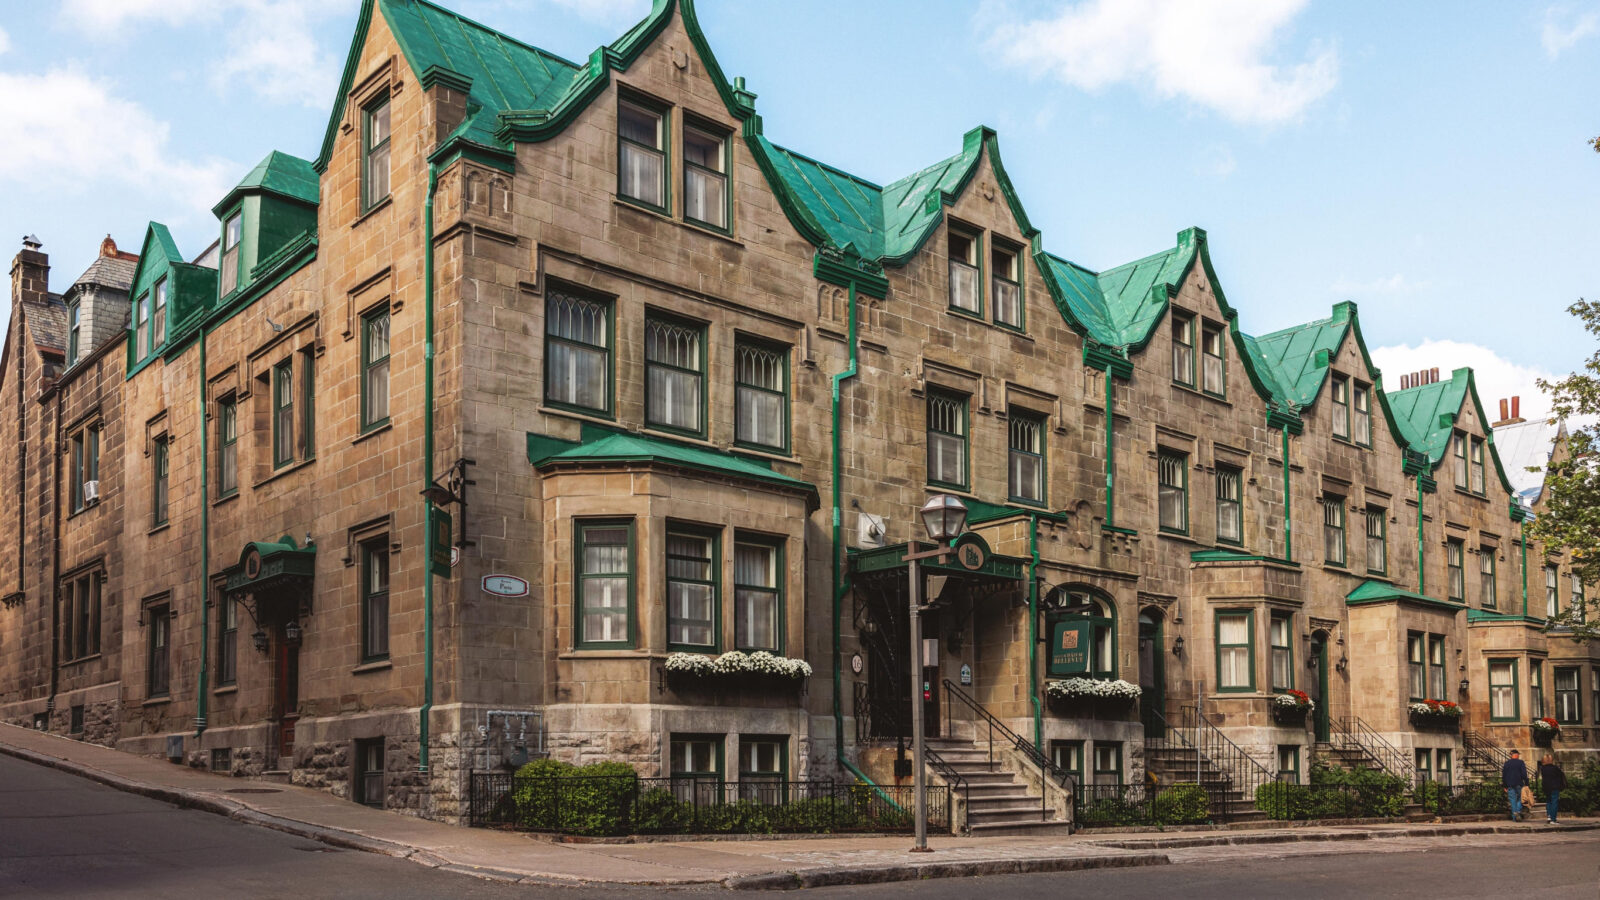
pixel 505 586
pixel 1069 647
pixel 439 534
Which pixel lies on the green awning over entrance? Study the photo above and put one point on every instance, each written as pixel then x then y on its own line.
pixel 270 565
pixel 887 559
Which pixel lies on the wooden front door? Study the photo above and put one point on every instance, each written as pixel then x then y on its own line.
pixel 1320 716
pixel 286 684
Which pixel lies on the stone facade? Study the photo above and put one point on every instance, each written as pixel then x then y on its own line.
pixel 1225 459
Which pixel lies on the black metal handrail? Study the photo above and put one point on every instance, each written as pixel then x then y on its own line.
pixel 1484 752
pixel 952 779
pixel 1358 734
pixel 1242 773
pixel 1047 770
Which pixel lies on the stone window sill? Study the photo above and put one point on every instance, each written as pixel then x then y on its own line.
pixel 372 433
pixel 377 665
pixel 80 660
pixel 158 701
pixel 226 689
pixel 688 226
pixel 233 495
pixel 376 208
pixel 286 470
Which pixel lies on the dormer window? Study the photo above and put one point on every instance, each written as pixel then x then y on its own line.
pixel 141 327
pixel 963 250
pixel 1341 407
pixel 1006 287
pixel 232 231
pixel 1363 413
pixel 74 321
pixel 1212 362
pixel 642 155
pixel 1477 465
pixel 158 322
pixel 375 154
pixel 705 177
pixel 1183 350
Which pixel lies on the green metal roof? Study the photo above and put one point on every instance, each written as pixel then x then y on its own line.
pixel 1299 357
pixel 1427 414
pixel 282 174
pixel 1374 591
pixel 636 448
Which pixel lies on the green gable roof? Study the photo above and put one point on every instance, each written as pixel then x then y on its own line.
pixel 1373 591
pixel 281 174
pixel 1299 357
pixel 1427 415
pixel 636 448
pixel 1120 307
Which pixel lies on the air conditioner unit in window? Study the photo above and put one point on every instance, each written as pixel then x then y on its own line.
pixel 91 492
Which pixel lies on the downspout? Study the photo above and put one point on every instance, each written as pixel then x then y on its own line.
pixel 1522 538
pixel 1111 462
pixel 1288 527
pixel 1033 627
pixel 205 549
pixel 1422 568
pixel 849 372
pixel 427 467
pixel 54 587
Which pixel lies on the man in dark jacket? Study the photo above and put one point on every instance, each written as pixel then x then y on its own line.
pixel 1553 780
pixel 1514 776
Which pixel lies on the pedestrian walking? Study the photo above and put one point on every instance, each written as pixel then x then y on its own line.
pixel 1514 777
pixel 1554 781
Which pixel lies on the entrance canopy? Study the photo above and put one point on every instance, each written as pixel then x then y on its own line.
pixel 270 567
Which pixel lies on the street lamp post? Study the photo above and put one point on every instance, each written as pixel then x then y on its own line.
pixel 944 516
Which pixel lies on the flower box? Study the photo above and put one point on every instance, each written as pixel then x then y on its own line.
pixel 1545 731
pixel 736 668
pixel 1093 694
pixel 1441 714
pixel 1291 707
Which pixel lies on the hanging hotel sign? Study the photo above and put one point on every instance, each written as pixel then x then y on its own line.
pixel 1069 647
pixel 971 552
pixel 439 532
pixel 505 586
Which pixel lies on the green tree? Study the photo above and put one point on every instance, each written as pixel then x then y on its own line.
pixel 1570 519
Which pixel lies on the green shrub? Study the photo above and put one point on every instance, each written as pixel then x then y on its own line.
pixel 534 793
pixel 659 812
pixel 1108 812
pixel 1184 803
pixel 597 799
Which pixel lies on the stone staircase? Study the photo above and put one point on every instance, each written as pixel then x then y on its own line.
pixel 997 803
pixel 1349 757
pixel 1170 764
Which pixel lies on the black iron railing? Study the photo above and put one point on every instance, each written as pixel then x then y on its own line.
pixel 1113 805
pixel 611 805
pixel 1242 775
pixel 1351 733
pixel 994 728
pixel 1482 754
pixel 1379 797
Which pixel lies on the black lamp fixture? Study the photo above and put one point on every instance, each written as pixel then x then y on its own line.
pixel 292 632
pixel 1464 685
pixel 259 641
pixel 1343 661
pixel 1177 646
pixel 453 489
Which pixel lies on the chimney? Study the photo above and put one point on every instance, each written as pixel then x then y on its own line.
pixel 30 273
pixel 1510 412
pixel 1433 375
pixel 1505 405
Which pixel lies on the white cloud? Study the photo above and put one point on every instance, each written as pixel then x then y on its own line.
pixel 1384 286
pixel 1497 377
pixel 1563 29
pixel 5 41
pixel 1214 53
pixel 70 132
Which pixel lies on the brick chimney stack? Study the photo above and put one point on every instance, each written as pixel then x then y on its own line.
pixel 1510 412
pixel 30 273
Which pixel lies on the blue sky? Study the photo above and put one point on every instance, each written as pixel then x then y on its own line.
pixel 1427 160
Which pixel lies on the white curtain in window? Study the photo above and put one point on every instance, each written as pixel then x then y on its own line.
pixel 759 415
pixel 605 599
pixel 963 286
pixel 674 376
pixel 1233 662
pixel 689 594
pixel 1007 303
pixel 755 578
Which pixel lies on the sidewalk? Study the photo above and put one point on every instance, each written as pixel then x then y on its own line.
pixel 506 856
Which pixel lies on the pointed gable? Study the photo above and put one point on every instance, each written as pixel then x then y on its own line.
pixel 1428 415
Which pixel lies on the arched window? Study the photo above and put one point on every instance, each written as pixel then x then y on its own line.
pixel 1088 603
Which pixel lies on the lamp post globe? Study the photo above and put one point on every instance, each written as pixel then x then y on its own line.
pixel 944 516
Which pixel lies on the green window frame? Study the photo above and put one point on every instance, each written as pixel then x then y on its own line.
pixel 1536 687
pixel 707 199
pixel 1569 701
pixel 947 440
pixel 693 589
pixel 1341 407
pixel 141 327
pixel 375 600
pixel 603 584
pixel 1443 771
pixel 158 658
pixel 579 333
pixel 1289 763
pixel 1101 613
pixel 227 640
pixel 758 608
pixel 1577 610
pixel 1437 687
pixel 160 471
pixel 1477 466
pixel 1333 543
pixel 375 368
pixel 1455 568
pixel 675 375
pixel 1005 285
pixel 1172 491
pixel 1236 658
pixel 761 411
pixel 964 248
pixel 1183 349
pixel 644 132
pixel 308 403
pixel 375 171
pixel 283 414
pixel 1504 704
pixel 1362 401
pixel 1377 528
pixel 1230 505
pixel 1281 640
pixel 1068 757
pixel 158 314
pixel 1489 596
pixel 74 330
pixel 1213 360
pixel 1422 759
pixel 1417 666
pixel 763 768
pixel 1552 592
pixel 1458 446
pixel 1026 472
pixel 696 755
pixel 1108 763
pixel 227 447
pixel 228 269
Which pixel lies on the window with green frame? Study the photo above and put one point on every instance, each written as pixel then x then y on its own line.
pixel 695 755
pixel 758 593
pixel 763 768
pixel 1068 757
pixel 1443 771
pixel 283 413
pixel 158 314
pixel 1289 763
pixel 1417 665
pixel 1422 758
pixel 1230 505
pixel 1552 592
pixel 1455 568
pixel 1436 671
pixel 1377 541
pixel 1363 415
pixel 1569 706
pixel 1458 447
pixel 1005 284
pixel 1172 488
pixel 706 198
pixel 227 639
pixel 603 589
pixel 141 327
pixel 160 469
pixel 1333 531
pixel 1183 349
pixel 228 269
pixel 1341 406
pixel 1504 704
pixel 375 153
pixel 674 370
pixel 962 247
pixel 227 446
pixel 693 594
pixel 1477 466
pixel 74 330
pixel 1025 469
pixel 577 352
pixel 1536 687
pixel 1236 651
pixel 1101 614
pixel 308 403
pixel 761 395
pixel 1487 594
pixel 947 440
pixel 1576 610
pixel 642 153
pixel 1282 644
pixel 375 600
pixel 1107 763
pixel 1213 360
pixel 375 368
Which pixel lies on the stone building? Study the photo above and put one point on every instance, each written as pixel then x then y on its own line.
pixel 676 390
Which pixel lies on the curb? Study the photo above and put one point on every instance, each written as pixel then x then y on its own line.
pixel 1240 840
pixel 833 877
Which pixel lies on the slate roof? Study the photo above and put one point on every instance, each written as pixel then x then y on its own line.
pixel 1524 445
pixel 48 322
pixel 109 271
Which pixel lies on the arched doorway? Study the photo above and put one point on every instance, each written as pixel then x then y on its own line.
pixel 1319 685
pixel 1152 674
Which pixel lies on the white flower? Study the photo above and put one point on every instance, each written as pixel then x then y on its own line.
pixel 1290 701
pixel 736 662
pixel 1093 688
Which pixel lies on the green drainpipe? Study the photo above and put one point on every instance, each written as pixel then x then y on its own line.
pixel 205 551
pixel 427 466
pixel 1522 538
pixel 1288 526
pixel 1111 463
pixel 1033 628
pixel 1422 568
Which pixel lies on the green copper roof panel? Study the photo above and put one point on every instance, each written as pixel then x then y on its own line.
pixel 1420 411
pixel 847 208
pixel 1121 306
pixel 281 174
pixel 1298 357
pixel 635 448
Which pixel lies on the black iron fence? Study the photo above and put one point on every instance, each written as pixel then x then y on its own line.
pixel 1377 797
pixel 613 805
pixel 1113 805
pixel 1477 797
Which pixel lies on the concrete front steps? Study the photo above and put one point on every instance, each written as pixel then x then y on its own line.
pixel 996 803
pixel 1174 764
